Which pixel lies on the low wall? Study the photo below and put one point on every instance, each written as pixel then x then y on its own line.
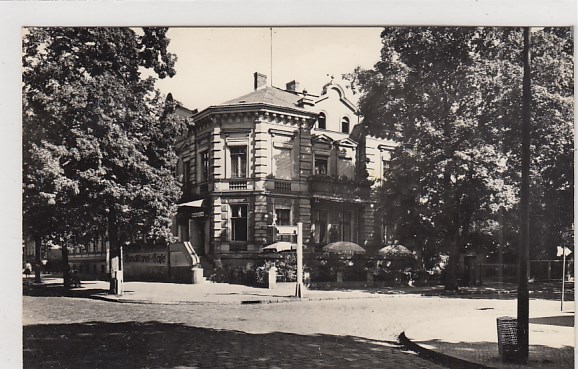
pixel 172 264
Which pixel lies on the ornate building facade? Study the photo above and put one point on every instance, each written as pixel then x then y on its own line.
pixel 278 156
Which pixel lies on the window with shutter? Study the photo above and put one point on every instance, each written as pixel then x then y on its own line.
pixel 238 161
pixel 283 163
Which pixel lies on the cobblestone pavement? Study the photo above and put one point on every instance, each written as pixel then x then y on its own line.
pixel 62 332
pixel 65 332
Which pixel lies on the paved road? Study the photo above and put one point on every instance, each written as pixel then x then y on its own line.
pixel 78 333
pixel 62 332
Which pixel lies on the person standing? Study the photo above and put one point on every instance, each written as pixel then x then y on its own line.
pixel 27 269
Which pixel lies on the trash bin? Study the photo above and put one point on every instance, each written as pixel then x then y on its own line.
pixel 508 345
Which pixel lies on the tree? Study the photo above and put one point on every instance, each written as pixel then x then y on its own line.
pixel 97 139
pixel 451 98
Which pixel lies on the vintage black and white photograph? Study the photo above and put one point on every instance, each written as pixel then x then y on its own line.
pixel 397 196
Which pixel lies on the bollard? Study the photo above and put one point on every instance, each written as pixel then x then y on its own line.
pixel 118 282
pixel 370 276
pixel 272 278
pixel 197 275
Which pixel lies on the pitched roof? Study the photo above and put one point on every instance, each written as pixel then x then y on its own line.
pixel 270 96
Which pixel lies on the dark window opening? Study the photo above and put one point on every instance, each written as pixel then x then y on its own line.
pixel 345 220
pixel 239 222
pixel 321 165
pixel 345 125
pixel 204 166
pixel 186 174
pixel 283 216
pixel 321 120
pixel 320 226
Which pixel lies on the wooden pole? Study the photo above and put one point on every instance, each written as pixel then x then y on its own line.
pixel 299 286
pixel 563 275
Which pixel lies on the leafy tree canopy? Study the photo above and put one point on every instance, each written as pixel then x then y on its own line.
pixel 97 148
pixel 451 98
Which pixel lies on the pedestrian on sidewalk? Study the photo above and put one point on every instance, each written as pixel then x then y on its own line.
pixel 27 270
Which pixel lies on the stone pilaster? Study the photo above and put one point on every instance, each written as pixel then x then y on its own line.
pixel 261 230
pixel 216 224
pixel 304 207
pixel 217 147
pixel 367 226
pixel 262 151
pixel 305 153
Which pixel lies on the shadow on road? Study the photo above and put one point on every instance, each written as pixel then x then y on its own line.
pixel 161 345
pixel 562 321
pixel 56 290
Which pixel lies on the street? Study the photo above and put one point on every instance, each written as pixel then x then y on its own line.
pixel 62 332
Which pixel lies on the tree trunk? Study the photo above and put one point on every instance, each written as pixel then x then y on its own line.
pixel 65 266
pixel 37 258
pixel 452 273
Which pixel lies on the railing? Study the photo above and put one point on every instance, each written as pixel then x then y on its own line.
pixel 538 270
pixel 282 185
pixel 238 184
pixel 333 186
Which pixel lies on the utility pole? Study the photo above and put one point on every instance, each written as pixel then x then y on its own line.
pixel 523 294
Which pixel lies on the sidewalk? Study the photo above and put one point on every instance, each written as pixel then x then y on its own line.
pixel 474 339
pixel 462 342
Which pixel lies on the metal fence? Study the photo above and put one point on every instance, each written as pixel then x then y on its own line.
pixel 538 270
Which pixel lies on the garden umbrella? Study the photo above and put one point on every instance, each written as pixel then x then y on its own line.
pixel 343 247
pixel 279 246
pixel 395 250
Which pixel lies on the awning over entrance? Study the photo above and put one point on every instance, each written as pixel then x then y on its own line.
pixel 193 204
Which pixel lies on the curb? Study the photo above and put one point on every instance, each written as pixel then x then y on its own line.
pixel 467 293
pixel 241 302
pixel 438 357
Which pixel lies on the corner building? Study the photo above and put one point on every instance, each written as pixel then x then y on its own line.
pixel 278 156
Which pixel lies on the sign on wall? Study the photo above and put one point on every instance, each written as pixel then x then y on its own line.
pixel 146 258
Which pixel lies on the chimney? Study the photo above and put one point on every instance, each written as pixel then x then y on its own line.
pixel 260 80
pixel 292 86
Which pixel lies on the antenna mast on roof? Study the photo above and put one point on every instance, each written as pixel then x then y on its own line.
pixel 271 66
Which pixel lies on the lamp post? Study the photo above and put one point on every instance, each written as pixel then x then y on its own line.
pixel 523 294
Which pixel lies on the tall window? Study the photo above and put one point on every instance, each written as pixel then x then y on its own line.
pixel 186 174
pixel 283 216
pixel 283 163
pixel 320 226
pixel 204 166
pixel 345 220
pixel 321 165
pixel 239 161
pixel 321 121
pixel 345 125
pixel 239 222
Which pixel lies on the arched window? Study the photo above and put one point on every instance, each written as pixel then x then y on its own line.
pixel 321 121
pixel 345 125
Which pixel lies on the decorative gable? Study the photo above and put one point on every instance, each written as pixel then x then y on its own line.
pixel 347 142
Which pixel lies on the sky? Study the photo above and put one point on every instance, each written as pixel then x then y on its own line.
pixel 217 64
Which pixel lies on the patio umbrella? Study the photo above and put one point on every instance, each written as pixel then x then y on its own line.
pixel 395 250
pixel 342 247
pixel 279 246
